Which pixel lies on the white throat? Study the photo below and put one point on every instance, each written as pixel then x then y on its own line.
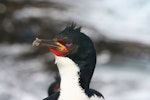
pixel 70 87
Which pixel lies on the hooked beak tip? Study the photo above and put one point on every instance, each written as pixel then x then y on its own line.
pixel 36 42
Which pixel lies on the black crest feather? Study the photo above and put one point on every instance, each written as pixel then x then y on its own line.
pixel 73 27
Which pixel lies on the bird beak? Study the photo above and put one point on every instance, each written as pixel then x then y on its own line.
pixel 53 45
pixel 44 42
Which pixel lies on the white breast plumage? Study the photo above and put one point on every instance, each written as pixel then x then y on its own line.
pixel 94 97
pixel 70 87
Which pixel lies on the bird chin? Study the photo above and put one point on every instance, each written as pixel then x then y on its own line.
pixel 56 52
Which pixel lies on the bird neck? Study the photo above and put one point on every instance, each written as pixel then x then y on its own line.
pixel 86 71
pixel 86 62
pixel 67 68
pixel 69 79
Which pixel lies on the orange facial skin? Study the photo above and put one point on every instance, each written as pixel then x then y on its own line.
pixel 60 51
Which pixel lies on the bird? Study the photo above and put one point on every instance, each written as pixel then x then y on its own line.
pixel 75 57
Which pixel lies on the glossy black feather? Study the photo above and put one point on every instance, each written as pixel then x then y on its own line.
pixel 52 88
pixel 53 97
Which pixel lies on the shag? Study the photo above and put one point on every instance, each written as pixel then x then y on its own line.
pixel 75 57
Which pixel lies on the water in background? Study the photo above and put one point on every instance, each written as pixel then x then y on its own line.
pixel 117 76
pixel 126 79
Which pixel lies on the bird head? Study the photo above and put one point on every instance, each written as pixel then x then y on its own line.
pixel 74 44
pixel 66 43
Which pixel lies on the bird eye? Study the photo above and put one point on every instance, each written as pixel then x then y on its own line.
pixel 68 44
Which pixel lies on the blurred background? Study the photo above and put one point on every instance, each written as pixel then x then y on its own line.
pixel 119 29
